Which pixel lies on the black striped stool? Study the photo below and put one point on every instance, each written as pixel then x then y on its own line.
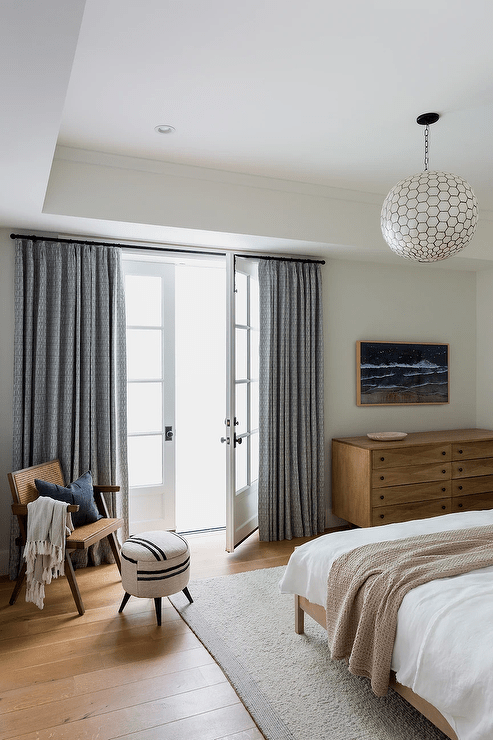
pixel 155 564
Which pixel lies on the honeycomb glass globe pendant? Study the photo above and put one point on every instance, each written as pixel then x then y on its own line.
pixel 430 216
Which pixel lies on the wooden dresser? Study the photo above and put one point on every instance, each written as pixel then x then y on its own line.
pixel 425 474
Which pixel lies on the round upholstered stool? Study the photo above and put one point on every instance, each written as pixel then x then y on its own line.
pixel 155 564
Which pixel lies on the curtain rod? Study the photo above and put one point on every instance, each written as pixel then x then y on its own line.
pixel 35 238
pixel 246 255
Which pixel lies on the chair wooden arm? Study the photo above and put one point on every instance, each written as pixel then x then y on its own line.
pixel 21 509
pixel 99 498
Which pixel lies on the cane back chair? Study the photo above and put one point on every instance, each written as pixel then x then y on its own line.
pixel 24 491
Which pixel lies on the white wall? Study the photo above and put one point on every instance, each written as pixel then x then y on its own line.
pixel 408 303
pixel 362 301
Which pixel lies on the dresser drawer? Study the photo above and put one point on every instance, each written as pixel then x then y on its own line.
pixel 413 455
pixel 468 486
pixel 410 474
pixel 475 502
pixel 470 450
pixel 405 512
pixel 471 468
pixel 418 492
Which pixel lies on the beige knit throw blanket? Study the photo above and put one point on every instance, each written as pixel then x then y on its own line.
pixel 366 587
pixel 48 524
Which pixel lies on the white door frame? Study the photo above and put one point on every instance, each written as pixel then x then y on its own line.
pixel 241 504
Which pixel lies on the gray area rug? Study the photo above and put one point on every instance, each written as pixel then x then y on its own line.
pixel 289 684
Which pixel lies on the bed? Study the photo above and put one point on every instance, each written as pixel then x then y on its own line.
pixel 442 661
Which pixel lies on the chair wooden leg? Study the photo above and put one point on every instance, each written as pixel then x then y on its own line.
pixel 157 605
pixel 187 594
pixel 18 584
pixel 115 549
pixel 124 601
pixel 69 572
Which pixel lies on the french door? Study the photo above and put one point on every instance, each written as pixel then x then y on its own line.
pixel 241 423
pixel 176 330
pixel 150 305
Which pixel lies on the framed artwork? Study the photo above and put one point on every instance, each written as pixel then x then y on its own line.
pixel 401 373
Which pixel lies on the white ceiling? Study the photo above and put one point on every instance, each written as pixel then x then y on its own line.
pixel 315 94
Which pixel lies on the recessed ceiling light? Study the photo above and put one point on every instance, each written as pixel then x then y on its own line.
pixel 164 128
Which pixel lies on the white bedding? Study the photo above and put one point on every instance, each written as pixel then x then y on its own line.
pixel 444 642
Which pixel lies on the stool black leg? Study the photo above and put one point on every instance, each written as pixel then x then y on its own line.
pixel 122 605
pixel 187 594
pixel 157 604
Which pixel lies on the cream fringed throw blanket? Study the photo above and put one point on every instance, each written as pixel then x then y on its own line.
pixel 48 523
pixel 366 587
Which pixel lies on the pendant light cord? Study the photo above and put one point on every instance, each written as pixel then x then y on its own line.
pixel 427 131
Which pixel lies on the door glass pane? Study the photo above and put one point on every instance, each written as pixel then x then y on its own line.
pixel 254 405
pixel 241 354
pixel 241 408
pixel 144 354
pixel 145 460
pixel 144 407
pixel 200 336
pixel 253 457
pixel 254 304
pixel 241 314
pixel 254 354
pixel 241 465
pixel 143 312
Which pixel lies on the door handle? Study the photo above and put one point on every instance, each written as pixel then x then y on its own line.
pixel 237 440
pixel 168 434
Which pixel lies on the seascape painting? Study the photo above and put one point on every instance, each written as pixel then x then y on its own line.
pixel 402 373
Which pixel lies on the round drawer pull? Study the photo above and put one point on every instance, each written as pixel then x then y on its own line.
pixel 460 470
pixel 460 506
pixel 444 489
pixel 460 488
pixel 444 453
pixel 382 459
pixel 382 477
pixel 444 507
pixel 444 471
pixel 382 497
pixel 382 516
pixel 460 452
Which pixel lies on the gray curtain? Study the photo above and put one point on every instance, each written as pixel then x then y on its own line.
pixel 70 368
pixel 291 426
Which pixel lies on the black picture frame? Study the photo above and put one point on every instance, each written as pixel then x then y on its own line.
pixel 402 373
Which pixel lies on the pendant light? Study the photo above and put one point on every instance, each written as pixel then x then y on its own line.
pixel 430 216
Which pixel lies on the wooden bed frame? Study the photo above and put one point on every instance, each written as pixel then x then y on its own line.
pixel 303 606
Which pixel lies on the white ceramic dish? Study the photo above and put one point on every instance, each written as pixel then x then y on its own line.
pixel 387 436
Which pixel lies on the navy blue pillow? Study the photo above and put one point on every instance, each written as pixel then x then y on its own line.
pixel 79 492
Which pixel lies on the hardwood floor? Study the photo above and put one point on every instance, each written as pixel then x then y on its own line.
pixel 107 675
